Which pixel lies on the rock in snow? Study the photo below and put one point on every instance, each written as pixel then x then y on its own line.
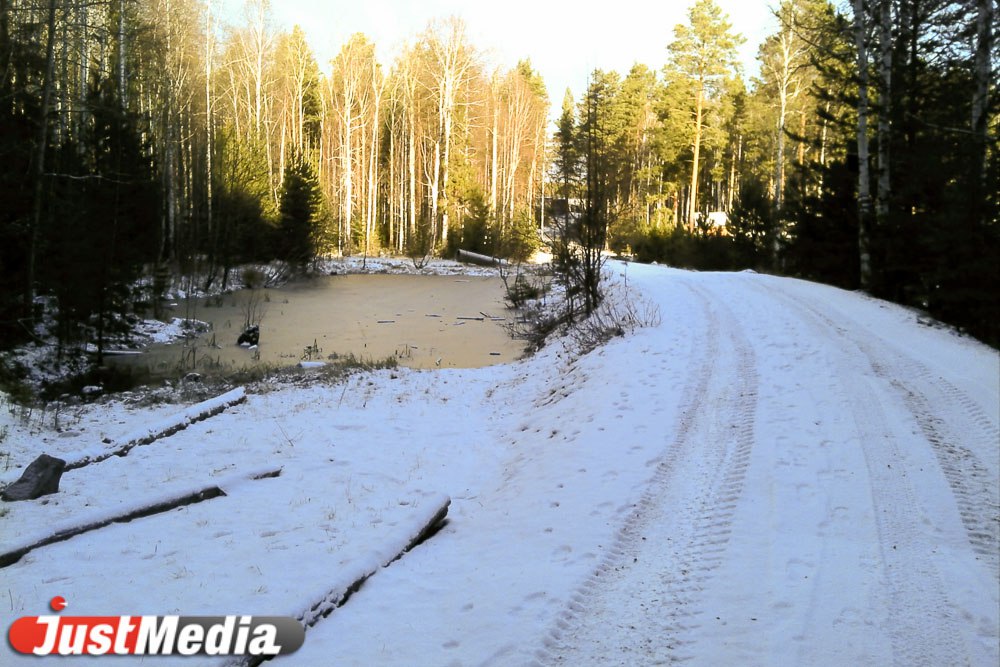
pixel 40 478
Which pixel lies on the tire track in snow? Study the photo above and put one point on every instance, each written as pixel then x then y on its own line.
pixel 688 524
pixel 626 539
pixel 714 525
pixel 903 548
pixel 969 478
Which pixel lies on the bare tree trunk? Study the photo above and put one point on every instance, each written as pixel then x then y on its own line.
pixel 41 148
pixel 541 188
pixel 412 169
pixel 362 181
pixel 737 152
pixel 530 192
pixel 444 175
pixel 401 207
pixel 802 139
pixel 64 87
pixel 209 120
pixel 864 191
pixel 822 148
pixel 401 194
pixel 391 195
pixel 693 201
pixel 884 194
pixel 348 169
pixel 281 150
pixel 983 73
pixel 5 47
pixel 452 61
pixel 779 163
pixel 435 188
pixel 83 73
pixel 258 83
pixel 373 156
pixel 122 87
pixel 494 157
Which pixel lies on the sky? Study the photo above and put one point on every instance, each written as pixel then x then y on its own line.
pixel 564 40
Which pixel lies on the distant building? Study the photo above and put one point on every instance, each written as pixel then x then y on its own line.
pixel 718 220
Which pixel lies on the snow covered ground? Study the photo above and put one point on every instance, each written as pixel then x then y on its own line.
pixel 778 473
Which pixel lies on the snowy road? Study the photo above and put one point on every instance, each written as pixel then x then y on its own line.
pixel 780 473
pixel 844 511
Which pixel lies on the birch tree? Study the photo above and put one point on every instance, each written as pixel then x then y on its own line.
pixel 983 77
pixel 451 59
pixel 861 28
pixel 885 42
pixel 785 65
pixel 350 95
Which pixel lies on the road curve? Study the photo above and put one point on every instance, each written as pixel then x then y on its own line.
pixel 830 496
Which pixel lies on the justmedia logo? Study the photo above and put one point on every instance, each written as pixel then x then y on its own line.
pixel 154 635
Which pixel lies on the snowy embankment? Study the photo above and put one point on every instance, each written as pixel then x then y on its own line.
pixel 779 473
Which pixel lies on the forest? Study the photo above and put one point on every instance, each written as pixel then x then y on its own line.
pixel 143 139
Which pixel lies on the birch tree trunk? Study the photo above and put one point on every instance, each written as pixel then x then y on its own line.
pixel 347 169
pixel 83 71
pixel 435 188
pixel 983 76
pixel 822 147
pixel 737 154
pixel 411 161
pixel 493 148
pixel 373 156
pixel 693 197
pixel 884 193
pixel 391 194
pixel 209 120
pixel 122 87
pixel 451 52
pixel 864 191
pixel 779 163
pixel 444 171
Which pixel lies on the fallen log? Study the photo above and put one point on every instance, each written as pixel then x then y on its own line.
pixel 192 415
pixel 164 505
pixel 477 258
pixel 338 597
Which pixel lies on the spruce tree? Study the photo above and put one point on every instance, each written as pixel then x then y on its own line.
pixel 298 211
pixel 567 156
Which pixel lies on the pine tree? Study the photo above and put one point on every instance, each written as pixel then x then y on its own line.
pixel 702 55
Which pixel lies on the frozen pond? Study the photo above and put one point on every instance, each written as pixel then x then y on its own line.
pixel 422 321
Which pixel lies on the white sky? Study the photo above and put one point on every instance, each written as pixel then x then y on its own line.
pixel 564 40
